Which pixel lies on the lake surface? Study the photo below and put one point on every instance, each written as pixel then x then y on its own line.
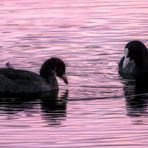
pixel 93 110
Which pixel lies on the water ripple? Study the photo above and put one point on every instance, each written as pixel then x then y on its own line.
pixel 99 109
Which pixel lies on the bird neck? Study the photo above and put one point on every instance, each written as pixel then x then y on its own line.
pixel 50 77
pixel 52 81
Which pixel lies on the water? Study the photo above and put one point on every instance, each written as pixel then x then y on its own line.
pixel 94 110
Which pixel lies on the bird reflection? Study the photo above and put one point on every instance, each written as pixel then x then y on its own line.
pixel 136 97
pixel 54 108
pixel 52 105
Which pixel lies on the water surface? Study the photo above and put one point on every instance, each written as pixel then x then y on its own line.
pixel 95 109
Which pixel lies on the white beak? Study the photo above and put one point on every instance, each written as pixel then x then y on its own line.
pixel 126 59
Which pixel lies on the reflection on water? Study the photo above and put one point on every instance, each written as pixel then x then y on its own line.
pixel 136 103
pixel 53 107
pixel 102 109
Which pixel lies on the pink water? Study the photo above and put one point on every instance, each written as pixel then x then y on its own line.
pixel 90 37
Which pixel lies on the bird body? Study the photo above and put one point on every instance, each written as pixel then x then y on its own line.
pixel 18 81
pixel 135 59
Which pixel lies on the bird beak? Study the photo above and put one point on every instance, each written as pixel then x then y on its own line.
pixel 126 58
pixel 64 78
pixel 126 61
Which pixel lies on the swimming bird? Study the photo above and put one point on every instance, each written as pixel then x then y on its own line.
pixel 137 52
pixel 18 81
pixel 134 60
